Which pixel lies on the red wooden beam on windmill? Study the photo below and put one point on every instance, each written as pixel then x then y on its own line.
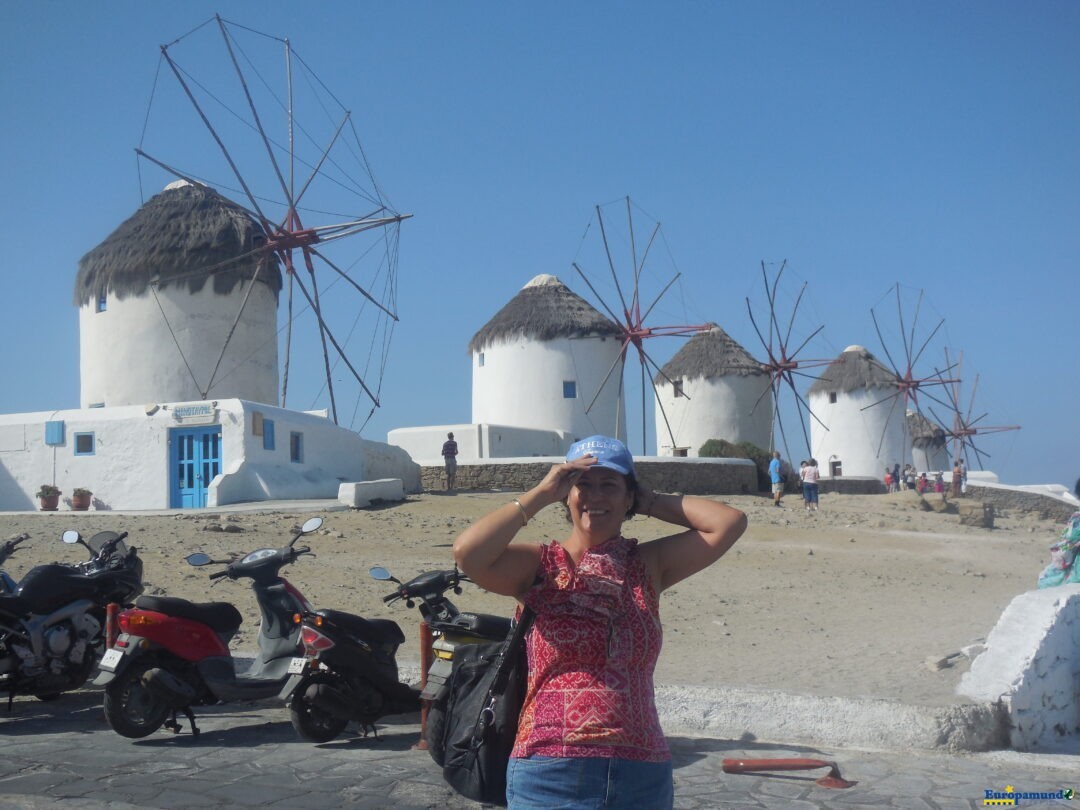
pixel 296 160
pixel 634 313
pixel 909 382
pixel 782 362
pixel 962 427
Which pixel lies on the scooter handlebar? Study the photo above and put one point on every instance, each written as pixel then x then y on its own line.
pixel 219 574
pixel 390 597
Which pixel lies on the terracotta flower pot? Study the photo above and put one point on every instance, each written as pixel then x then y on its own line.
pixel 80 503
pixel 49 502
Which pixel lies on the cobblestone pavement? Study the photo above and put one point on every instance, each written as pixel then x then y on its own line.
pixel 63 751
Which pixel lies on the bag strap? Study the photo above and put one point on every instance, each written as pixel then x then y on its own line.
pixel 508 653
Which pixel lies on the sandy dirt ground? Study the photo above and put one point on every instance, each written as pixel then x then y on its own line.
pixel 850 601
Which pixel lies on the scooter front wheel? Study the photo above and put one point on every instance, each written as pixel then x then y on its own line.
pixel 130 708
pixel 311 722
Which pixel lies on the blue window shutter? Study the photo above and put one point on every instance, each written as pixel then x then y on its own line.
pixel 268 434
pixel 54 433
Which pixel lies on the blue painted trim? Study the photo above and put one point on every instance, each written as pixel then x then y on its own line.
pixel 75 444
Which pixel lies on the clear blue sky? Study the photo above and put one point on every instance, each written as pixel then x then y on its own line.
pixel 866 143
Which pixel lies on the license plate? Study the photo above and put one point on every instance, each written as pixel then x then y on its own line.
pixel 110 659
pixel 297 666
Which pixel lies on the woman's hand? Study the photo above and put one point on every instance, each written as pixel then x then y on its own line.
pixel 558 482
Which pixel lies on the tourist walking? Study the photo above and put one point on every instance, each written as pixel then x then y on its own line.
pixel 589 735
pixel 957 479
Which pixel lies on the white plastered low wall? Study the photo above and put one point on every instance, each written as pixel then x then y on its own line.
pixel 1032 664
pixel 476 442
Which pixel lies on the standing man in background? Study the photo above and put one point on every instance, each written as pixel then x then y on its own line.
pixel 776 478
pixel 449 454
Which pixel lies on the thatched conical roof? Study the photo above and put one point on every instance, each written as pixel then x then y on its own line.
pixel 855 369
pixel 178 233
pixel 710 354
pixel 544 309
pixel 924 434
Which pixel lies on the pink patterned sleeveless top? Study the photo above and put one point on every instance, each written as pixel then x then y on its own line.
pixel 592 652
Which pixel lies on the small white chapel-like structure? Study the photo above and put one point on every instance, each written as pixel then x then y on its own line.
pixel 179 376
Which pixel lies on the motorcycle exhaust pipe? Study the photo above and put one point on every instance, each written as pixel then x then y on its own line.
pixel 330 700
pixel 166 687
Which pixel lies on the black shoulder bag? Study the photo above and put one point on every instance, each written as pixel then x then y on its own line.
pixel 480 706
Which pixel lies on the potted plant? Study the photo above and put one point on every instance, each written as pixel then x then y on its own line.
pixel 49 496
pixel 80 499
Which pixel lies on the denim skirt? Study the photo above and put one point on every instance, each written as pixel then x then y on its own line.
pixel 588 783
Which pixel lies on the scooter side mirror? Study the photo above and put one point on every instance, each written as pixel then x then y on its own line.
pixel 378 572
pixel 71 537
pixel 198 558
pixel 310 525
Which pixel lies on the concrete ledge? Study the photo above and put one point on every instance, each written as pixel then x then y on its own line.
pixel 1030 665
pixel 740 713
pixel 362 493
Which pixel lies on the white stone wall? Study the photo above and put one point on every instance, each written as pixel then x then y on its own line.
pixel 520 384
pixel 716 408
pixel 854 435
pixel 477 442
pixel 931 460
pixel 129 467
pixel 129 357
pixel 1032 664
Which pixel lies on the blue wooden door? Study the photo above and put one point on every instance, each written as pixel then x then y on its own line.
pixel 194 458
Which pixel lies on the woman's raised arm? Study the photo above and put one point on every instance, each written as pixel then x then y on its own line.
pixel 713 528
pixel 484 551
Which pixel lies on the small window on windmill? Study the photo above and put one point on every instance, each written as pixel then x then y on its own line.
pixel 296 447
pixel 102 302
pixel 268 434
pixel 832 397
pixel 569 389
pixel 480 360
pixel 677 386
pixel 680 452
pixel 256 423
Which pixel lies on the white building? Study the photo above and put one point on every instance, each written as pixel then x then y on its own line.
pixel 864 422
pixel 541 361
pixel 175 411
pixel 712 389
pixel 929 445
pixel 178 304
pixel 187 455
pixel 537 366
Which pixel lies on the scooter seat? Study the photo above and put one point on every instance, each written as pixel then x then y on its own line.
pixel 380 631
pixel 221 617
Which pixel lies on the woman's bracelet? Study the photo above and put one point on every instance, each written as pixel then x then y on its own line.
pixel 524 514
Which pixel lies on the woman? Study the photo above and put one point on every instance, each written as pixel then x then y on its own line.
pixel 811 476
pixel 589 735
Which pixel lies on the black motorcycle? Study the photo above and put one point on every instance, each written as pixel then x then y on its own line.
pixel 7 584
pixel 450 628
pixel 348 673
pixel 52 626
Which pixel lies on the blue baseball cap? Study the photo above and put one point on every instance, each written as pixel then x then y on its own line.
pixel 608 452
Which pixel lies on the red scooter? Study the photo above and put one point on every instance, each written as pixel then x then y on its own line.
pixel 173 654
